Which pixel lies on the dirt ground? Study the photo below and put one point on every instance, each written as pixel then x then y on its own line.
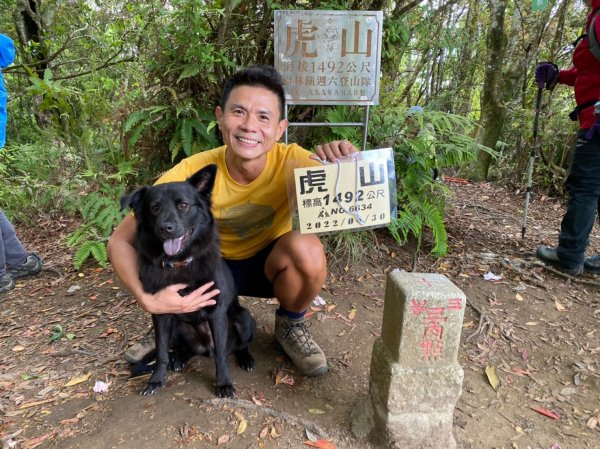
pixel 63 331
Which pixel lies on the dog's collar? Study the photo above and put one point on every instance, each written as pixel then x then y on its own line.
pixel 176 263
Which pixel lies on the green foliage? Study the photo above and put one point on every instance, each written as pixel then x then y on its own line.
pixel 414 218
pixel 423 143
pixel 193 129
pixel 37 177
pixel 101 213
pixel 58 333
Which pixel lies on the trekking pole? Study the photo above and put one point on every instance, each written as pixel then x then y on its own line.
pixel 532 154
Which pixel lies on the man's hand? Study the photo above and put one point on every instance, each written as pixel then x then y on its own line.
pixel 168 300
pixel 334 150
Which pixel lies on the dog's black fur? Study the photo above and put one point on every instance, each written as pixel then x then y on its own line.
pixel 177 242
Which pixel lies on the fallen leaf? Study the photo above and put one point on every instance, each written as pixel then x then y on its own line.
pixel 283 377
pixel 242 426
pixel 545 412
pixel 518 297
pixel 33 404
pixel 18 348
pixel 321 444
pixel 559 306
pixel 311 436
pixel 223 439
pixel 352 313
pixel 316 411
pixel 592 422
pixel 68 421
pixel 519 371
pixel 264 432
pixel 78 379
pixel 492 376
pixel 274 433
pixel 531 323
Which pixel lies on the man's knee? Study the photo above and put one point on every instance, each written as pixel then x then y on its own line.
pixel 300 252
pixel 310 255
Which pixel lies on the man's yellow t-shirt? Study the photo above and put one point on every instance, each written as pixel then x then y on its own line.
pixel 249 216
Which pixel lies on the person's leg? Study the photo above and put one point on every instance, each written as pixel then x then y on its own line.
pixel 18 261
pixel 6 280
pixel 583 186
pixel 14 252
pixel 297 268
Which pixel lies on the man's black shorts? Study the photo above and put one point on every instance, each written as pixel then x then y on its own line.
pixel 249 274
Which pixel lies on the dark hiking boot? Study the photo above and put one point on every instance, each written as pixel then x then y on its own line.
pixel 141 349
pixel 592 264
pixel 548 255
pixel 296 341
pixel 32 265
pixel 6 283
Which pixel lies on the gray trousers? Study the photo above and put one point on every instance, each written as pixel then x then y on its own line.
pixel 11 250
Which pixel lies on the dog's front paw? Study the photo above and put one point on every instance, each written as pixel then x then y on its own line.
pixel 246 362
pixel 177 362
pixel 152 388
pixel 225 391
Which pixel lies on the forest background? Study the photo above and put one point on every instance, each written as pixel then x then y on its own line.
pixel 105 95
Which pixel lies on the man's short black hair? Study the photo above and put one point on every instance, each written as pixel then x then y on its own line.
pixel 259 76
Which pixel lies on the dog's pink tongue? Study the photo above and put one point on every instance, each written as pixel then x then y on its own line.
pixel 172 246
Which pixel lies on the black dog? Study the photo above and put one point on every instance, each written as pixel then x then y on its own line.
pixel 177 242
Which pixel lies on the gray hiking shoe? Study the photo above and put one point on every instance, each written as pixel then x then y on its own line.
pixel 32 265
pixel 6 283
pixel 141 349
pixel 549 255
pixel 296 341
pixel 592 264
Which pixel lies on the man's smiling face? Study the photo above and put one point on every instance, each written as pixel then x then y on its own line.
pixel 250 122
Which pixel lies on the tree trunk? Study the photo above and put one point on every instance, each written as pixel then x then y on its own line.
pixel 492 112
pixel 468 59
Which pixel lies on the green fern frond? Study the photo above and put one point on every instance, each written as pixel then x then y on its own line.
pixel 98 251
pixel 136 134
pixel 133 120
pixel 82 254
pixel 90 248
pixel 77 236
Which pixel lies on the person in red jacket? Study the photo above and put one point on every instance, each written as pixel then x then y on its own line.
pixel 583 180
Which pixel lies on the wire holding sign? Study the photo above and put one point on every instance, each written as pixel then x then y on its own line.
pixel 358 192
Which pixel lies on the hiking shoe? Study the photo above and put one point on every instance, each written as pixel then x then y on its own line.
pixel 296 341
pixel 548 255
pixel 6 283
pixel 592 264
pixel 32 265
pixel 141 349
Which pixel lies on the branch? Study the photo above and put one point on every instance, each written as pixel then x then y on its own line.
pixel 103 66
pixel 401 8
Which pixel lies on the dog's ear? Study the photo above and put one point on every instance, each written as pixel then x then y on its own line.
pixel 134 199
pixel 204 180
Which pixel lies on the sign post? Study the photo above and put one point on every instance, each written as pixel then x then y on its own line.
pixel 329 58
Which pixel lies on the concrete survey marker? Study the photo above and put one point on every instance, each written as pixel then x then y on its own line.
pixel 415 379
